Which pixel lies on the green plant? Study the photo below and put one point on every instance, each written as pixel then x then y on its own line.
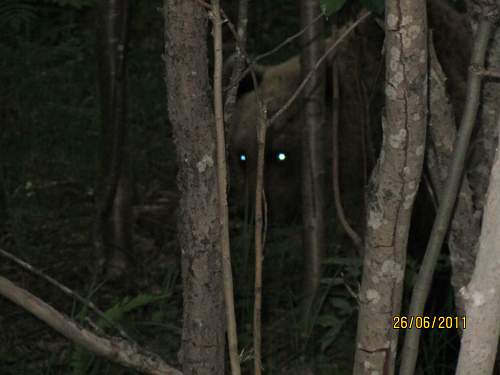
pixel 17 14
pixel 83 362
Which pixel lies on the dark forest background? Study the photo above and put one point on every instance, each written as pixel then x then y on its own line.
pixel 50 147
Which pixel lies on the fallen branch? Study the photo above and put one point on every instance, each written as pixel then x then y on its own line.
pixel 65 290
pixel 114 349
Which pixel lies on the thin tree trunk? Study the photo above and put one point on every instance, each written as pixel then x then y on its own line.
pixel 113 226
pixel 465 225
pixel 483 150
pixel 394 184
pixel 313 153
pixel 232 334
pixel 192 118
pixel 482 295
pixel 444 214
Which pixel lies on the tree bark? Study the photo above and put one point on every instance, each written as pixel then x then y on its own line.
pixel 423 281
pixel 394 184
pixel 465 226
pixel 313 153
pixel 486 139
pixel 192 118
pixel 482 295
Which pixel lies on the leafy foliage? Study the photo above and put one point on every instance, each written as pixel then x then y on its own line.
pixel 81 360
pixel 329 7
pixel 17 14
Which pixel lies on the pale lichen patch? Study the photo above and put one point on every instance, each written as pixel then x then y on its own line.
pixel 409 198
pixel 398 77
pixel 398 140
pixel 204 163
pixel 372 296
pixel 406 20
pixel 394 57
pixel 419 151
pixel 375 219
pixel 392 21
pixel 390 92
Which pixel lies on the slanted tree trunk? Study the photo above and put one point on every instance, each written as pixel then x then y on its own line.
pixel 190 112
pixel 482 295
pixel 394 184
pixel 313 153
pixel 465 225
pixel 483 149
pixel 113 226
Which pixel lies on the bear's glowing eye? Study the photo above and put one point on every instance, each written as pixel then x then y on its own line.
pixel 281 156
pixel 243 157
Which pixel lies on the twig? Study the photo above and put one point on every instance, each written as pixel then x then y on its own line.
pixel 335 160
pixel 349 289
pixel 114 349
pixel 447 204
pixel 259 190
pixel 288 40
pixel 66 291
pixel 232 334
pixel 236 77
pixel 363 16
pixel 493 73
pixel 270 52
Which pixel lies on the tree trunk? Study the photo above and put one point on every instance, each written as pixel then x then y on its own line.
pixel 486 139
pixel 465 226
pixel 480 338
pixel 192 118
pixel 394 184
pixel 113 227
pixel 313 154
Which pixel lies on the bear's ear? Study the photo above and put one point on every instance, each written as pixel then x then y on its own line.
pixel 246 82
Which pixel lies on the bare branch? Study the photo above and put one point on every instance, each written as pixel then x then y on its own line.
pixel 363 16
pixel 239 62
pixel 232 334
pixel 259 198
pixel 356 239
pixel 114 349
pixel 447 204
pixel 289 39
pixel 66 291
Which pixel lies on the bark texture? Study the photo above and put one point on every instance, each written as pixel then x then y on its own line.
pixel 464 230
pixel 483 148
pixel 480 338
pixel 394 184
pixel 192 118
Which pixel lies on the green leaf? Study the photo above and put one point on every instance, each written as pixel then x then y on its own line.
pixel 328 7
pixel 327 321
pixel 81 360
pixel 376 6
